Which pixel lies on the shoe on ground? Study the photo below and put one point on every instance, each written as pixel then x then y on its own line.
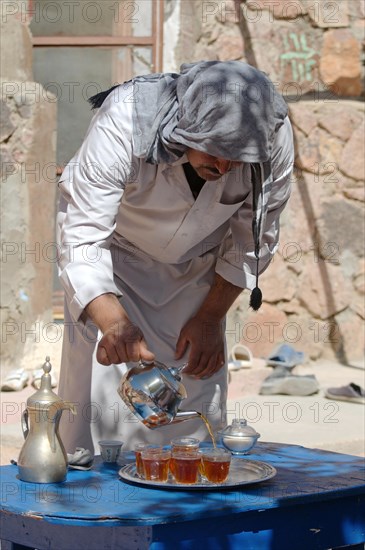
pixel 16 380
pixel 285 355
pixel 240 358
pixel 37 376
pixel 352 393
pixel 284 383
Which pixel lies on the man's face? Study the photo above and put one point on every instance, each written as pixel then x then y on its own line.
pixel 209 167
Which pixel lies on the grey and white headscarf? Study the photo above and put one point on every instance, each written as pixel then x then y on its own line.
pixel 229 110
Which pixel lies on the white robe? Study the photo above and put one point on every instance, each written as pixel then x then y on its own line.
pixel 135 230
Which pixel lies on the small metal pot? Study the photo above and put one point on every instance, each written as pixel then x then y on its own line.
pixel 154 392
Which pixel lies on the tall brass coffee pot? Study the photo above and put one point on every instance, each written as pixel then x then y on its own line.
pixel 43 457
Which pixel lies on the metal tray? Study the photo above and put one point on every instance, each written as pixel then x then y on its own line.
pixel 242 472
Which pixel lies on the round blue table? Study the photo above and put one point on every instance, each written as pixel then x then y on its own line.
pixel 316 501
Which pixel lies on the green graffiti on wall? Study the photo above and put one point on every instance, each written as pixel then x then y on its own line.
pixel 299 55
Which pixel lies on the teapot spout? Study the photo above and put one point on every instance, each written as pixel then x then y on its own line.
pixel 184 415
pixel 154 420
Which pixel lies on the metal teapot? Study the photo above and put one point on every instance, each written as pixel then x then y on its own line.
pixel 153 392
pixel 43 458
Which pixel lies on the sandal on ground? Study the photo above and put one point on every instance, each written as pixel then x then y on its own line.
pixel 37 375
pixel 240 358
pixel 286 356
pixel 16 380
pixel 352 393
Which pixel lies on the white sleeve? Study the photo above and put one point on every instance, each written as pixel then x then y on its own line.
pixel 91 190
pixel 237 263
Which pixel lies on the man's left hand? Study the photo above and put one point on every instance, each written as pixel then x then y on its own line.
pixel 206 341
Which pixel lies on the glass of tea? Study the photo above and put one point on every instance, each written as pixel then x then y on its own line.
pixel 184 445
pixel 156 464
pixel 138 454
pixel 185 466
pixel 215 464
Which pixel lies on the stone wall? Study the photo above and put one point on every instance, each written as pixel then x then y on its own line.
pixel 314 291
pixel 28 184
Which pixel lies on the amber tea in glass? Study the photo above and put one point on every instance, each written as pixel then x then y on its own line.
pixel 185 466
pixel 184 445
pixel 216 464
pixel 156 464
pixel 138 454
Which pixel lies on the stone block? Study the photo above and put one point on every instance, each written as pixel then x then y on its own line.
pixel 230 47
pixel 355 194
pixel 320 130
pixel 291 307
pixel 303 116
pixel 279 9
pixel 288 51
pixel 352 160
pixel 277 282
pixel 228 11
pixel 318 153
pixel 328 14
pixel 297 233
pixel 202 51
pixel 340 119
pixel 307 151
pixel 356 9
pixel 330 150
pixel 352 330
pixel 341 218
pixel 323 289
pixel 359 279
pixel 340 65
pixel 344 183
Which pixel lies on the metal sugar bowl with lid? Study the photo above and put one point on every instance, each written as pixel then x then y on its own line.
pixel 43 458
pixel 238 437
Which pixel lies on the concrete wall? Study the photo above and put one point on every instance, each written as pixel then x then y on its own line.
pixel 28 184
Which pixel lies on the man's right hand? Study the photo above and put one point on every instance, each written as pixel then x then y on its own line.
pixel 121 343
pixel 122 340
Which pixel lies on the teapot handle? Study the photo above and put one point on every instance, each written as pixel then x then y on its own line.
pixel 25 424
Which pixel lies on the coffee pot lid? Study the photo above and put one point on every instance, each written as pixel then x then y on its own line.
pixel 45 396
